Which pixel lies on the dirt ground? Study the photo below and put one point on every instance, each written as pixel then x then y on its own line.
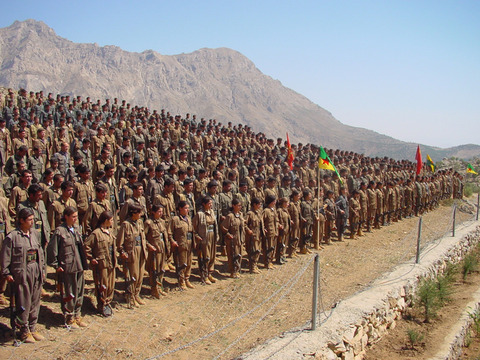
pixel 233 315
pixel 395 345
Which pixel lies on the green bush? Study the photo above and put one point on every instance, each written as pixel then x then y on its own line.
pixel 469 265
pixel 414 337
pixel 428 298
pixel 470 188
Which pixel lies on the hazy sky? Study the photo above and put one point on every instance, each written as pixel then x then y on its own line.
pixel 408 69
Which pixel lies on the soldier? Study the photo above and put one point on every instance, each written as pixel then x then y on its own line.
pixel 19 193
pixel 55 212
pixel 205 228
pixel 372 205
pixel 67 255
pixel 180 233
pixel 271 226
pixel 244 197
pixel 233 226
pixel 5 228
pixel 330 214
pixel 36 165
pixel 354 212
pixel 96 208
pixel 284 223
pixel 137 198
pixel 156 235
pixel 23 265
pixel 132 247
pixel 379 217
pixel 308 216
pixel 295 215
pixel 254 234
pixel 83 192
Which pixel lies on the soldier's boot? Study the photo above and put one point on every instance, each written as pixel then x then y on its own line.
pixel 256 270
pixel 352 235
pixel 79 321
pixel 139 300
pixel 27 337
pixel 71 323
pixel 270 266
pixel 155 292
pixel 205 279
pixel 37 336
pixel 360 232
pixel 212 279
pixel 340 237
pixel 189 285
pixel 181 284
pixel 303 250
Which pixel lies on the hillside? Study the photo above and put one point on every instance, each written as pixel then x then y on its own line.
pixel 212 83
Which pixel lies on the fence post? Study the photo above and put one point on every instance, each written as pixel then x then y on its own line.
pixel 478 204
pixel 316 270
pixel 418 239
pixel 454 216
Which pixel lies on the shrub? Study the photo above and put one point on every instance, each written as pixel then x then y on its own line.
pixel 428 298
pixel 470 188
pixel 469 265
pixel 414 337
pixel 444 289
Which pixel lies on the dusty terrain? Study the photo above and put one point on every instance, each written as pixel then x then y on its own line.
pixel 227 318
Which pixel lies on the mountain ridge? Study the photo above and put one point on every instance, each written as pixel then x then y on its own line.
pixel 213 83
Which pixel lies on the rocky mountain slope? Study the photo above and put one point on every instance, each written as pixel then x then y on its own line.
pixel 212 83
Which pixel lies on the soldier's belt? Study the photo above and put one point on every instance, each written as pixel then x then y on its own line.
pixel 2 228
pixel 189 236
pixel 31 255
pixel 210 228
pixel 112 198
pixel 38 224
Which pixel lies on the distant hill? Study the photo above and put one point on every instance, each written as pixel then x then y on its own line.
pixel 212 83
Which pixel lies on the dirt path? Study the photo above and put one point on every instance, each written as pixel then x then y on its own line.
pixel 232 315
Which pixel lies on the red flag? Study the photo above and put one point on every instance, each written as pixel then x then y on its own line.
pixel 418 157
pixel 289 154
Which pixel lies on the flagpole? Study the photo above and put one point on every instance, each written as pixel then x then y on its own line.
pixel 318 205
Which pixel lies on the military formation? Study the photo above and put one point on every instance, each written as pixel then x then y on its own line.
pixel 96 186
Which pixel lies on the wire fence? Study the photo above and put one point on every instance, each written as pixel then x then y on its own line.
pixel 228 318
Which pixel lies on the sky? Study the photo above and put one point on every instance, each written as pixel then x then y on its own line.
pixel 407 69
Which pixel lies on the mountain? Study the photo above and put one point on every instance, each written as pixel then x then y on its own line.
pixel 212 83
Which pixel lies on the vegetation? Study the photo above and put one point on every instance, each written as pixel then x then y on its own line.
pixel 428 298
pixel 414 338
pixel 469 265
pixel 470 188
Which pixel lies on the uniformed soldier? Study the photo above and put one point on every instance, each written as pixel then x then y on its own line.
pixel 205 228
pixel 132 247
pixel 271 226
pixel 66 254
pixel 156 235
pixel 284 223
pixel 23 265
pixel 233 227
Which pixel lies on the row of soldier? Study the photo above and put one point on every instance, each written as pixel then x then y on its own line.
pixel 192 186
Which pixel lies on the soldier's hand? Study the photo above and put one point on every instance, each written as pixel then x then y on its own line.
pixel 60 269
pixel 124 256
pixel 94 262
pixel 9 278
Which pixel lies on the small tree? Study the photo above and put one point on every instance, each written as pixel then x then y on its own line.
pixel 428 299
pixel 414 338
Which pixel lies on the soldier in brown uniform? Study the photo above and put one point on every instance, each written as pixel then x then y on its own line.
pixel 83 192
pixel 330 214
pixel 206 237
pixel 308 217
pixel 23 265
pixel 99 249
pixel 271 226
pixel 180 234
pixel 254 233
pixel 284 223
pixel 19 193
pixel 67 255
pixel 233 226
pixel 295 215
pixel 132 247
pixel 156 234
pixel 363 214
pixel 55 212
pixel 355 209
pixel 380 216
pixel 96 208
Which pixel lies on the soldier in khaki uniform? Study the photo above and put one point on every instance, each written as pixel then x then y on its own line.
pixel 180 233
pixel 233 227
pixel 295 215
pixel 99 249
pixel 22 264
pixel 206 237
pixel 284 223
pixel 67 255
pixel 156 235
pixel 254 234
pixel 372 205
pixel 354 213
pixel 96 208
pixel 19 193
pixel 55 212
pixel 132 247
pixel 83 192
pixel 5 228
pixel 270 222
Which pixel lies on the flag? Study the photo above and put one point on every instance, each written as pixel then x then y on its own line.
pixel 430 163
pixel 290 157
pixel 324 162
pixel 471 170
pixel 418 157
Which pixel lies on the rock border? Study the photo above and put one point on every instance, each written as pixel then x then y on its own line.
pixel 365 317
